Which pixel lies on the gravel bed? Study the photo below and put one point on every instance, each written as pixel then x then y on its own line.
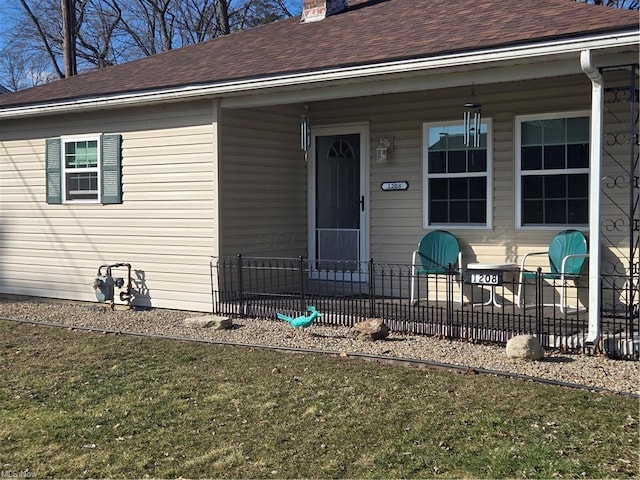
pixel 592 371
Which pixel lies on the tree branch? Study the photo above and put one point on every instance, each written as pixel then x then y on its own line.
pixel 43 37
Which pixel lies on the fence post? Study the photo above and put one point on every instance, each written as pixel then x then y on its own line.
pixel 213 300
pixel 303 302
pixel 240 284
pixel 449 300
pixel 372 291
pixel 539 301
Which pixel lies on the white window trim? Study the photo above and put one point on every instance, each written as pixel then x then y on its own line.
pixel 488 174
pixel 80 138
pixel 518 170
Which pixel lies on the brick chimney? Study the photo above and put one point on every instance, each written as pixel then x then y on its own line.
pixel 314 10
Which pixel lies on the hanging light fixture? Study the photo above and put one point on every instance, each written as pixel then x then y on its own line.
pixel 472 118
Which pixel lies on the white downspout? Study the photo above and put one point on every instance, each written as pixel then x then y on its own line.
pixel 595 174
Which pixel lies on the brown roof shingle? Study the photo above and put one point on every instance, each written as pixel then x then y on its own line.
pixel 369 32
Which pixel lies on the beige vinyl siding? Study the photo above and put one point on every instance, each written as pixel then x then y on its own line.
pixel 164 228
pixel 167 226
pixel 397 217
pixel 263 183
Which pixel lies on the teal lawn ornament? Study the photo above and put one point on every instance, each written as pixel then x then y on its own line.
pixel 303 321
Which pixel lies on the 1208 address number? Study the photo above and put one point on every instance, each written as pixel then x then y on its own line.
pixel 483 278
pixel 486 279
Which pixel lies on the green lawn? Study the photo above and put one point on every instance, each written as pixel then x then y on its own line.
pixel 77 404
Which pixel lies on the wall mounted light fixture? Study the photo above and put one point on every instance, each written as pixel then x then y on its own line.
pixel 382 150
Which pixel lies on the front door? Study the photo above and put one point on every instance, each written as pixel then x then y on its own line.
pixel 339 239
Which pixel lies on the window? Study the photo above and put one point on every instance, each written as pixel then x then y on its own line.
pixel 457 183
pixel 553 166
pixel 80 166
pixel 84 169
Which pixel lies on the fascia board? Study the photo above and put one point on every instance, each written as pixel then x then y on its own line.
pixel 362 73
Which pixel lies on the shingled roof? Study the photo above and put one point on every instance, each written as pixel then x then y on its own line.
pixel 369 32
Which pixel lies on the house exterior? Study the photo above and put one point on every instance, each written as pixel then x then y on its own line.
pixel 338 135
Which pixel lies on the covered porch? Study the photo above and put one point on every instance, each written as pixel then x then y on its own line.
pixel 393 205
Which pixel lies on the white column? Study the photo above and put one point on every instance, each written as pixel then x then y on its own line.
pixel 595 174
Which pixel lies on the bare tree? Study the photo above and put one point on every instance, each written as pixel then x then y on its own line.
pixel 196 21
pixel 89 39
pixel 96 32
pixel 107 32
pixel 223 16
pixel 150 25
pixel 625 4
pixel 251 13
pixel 165 21
pixel 44 37
pixel 23 69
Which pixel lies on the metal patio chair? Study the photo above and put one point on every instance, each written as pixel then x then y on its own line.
pixel 567 254
pixel 438 253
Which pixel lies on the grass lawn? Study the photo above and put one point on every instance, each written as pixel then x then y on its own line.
pixel 77 404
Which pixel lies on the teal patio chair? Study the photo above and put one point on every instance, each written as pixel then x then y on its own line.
pixel 567 254
pixel 436 252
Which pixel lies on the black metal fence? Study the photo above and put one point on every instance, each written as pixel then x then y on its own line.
pixel 493 311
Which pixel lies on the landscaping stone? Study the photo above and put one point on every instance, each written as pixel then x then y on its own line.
pixel 209 321
pixel 526 347
pixel 371 329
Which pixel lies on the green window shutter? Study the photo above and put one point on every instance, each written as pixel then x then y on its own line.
pixel 53 156
pixel 111 169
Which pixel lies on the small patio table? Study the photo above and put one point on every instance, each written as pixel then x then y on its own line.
pixel 489 274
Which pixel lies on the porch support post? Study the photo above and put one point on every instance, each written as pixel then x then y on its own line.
pixel 595 174
pixel 216 127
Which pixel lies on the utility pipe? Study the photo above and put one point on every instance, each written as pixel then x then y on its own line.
pixel 595 174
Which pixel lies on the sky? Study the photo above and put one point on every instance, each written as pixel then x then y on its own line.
pixel 10 9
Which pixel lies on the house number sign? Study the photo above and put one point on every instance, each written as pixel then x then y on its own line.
pixel 391 186
pixel 483 277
